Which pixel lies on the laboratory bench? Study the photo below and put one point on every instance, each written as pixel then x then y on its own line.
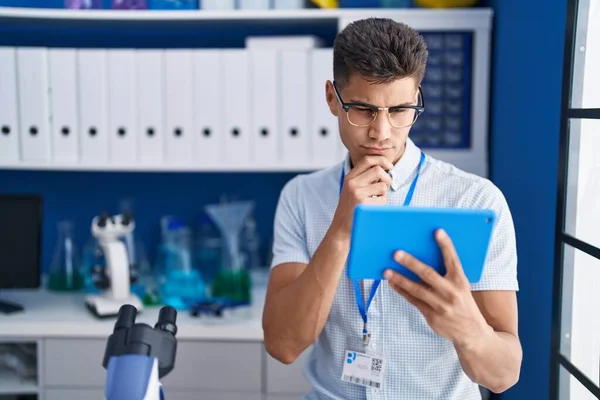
pixel 217 358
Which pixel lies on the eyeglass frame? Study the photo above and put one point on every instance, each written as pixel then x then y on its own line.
pixel 347 106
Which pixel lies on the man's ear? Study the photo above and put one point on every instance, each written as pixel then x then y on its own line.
pixel 418 95
pixel 331 98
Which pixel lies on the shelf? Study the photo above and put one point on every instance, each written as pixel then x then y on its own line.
pixel 51 314
pixel 442 18
pixel 462 158
pixel 163 168
pixel 11 384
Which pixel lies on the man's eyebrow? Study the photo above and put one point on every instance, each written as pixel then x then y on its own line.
pixel 408 103
pixel 361 102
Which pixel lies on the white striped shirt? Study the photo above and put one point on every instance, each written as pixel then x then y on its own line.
pixel 420 364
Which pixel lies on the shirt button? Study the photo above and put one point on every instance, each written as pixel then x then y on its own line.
pixel 395 185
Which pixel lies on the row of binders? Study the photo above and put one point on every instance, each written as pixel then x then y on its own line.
pixel 197 108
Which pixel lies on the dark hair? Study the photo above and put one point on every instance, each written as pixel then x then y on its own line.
pixel 380 49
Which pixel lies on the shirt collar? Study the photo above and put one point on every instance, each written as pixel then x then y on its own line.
pixel 403 169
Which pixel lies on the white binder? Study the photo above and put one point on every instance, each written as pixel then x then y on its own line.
pixel 285 42
pixel 9 111
pixel 208 84
pixel 288 4
pixel 217 4
pixel 150 70
pixel 254 4
pixel 122 107
pixel 32 71
pixel 64 105
pixel 295 74
pixel 325 139
pixel 264 107
pixel 93 106
pixel 236 98
pixel 179 107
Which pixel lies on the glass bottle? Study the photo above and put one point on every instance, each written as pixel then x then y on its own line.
pixel 93 262
pixel 251 244
pixel 65 271
pixel 209 251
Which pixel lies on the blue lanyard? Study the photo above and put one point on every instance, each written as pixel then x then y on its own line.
pixel 359 299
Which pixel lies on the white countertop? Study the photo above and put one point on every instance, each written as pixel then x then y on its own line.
pixel 58 315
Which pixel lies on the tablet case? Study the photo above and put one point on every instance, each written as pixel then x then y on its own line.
pixel 378 231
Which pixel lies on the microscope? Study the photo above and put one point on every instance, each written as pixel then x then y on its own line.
pixel 138 356
pixel 115 278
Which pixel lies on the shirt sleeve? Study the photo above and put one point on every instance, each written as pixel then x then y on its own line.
pixel 500 270
pixel 289 233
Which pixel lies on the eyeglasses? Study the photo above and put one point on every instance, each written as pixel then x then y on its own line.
pixel 363 115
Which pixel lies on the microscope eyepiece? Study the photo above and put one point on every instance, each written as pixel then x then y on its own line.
pixel 127 218
pixel 103 219
pixel 126 317
pixel 167 318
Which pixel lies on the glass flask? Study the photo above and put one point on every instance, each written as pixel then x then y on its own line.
pixel 233 283
pixel 181 284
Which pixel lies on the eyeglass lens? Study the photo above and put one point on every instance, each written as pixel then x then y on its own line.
pixel 399 118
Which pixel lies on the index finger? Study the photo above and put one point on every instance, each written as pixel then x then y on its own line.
pixel 370 162
pixel 454 268
pixel 429 275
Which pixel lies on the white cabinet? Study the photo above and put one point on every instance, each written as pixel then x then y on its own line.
pixel 222 130
pixel 286 379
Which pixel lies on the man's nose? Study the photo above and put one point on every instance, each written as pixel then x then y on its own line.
pixel 380 129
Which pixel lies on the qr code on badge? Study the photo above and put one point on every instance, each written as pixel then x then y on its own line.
pixel 376 364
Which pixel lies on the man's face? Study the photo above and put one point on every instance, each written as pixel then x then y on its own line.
pixel 380 137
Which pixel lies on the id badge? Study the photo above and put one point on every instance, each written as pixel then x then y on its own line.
pixel 364 369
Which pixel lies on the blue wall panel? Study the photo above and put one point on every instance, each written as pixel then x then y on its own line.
pixel 526 95
pixel 80 196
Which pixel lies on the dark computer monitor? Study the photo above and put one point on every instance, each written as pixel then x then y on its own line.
pixel 20 244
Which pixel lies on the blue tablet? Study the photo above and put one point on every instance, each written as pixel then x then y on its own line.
pixel 379 231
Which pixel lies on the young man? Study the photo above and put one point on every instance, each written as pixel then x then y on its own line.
pixel 439 339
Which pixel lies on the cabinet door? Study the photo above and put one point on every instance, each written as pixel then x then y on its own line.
pixel 74 362
pixel 212 366
pixel 73 394
pixel 217 366
pixel 98 394
pixel 204 395
pixel 287 379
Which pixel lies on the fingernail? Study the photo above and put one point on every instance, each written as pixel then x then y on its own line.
pixel 399 254
pixel 387 274
pixel 442 233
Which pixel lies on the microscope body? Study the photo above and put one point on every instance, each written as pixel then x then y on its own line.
pixel 137 356
pixel 109 231
pixel 133 377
